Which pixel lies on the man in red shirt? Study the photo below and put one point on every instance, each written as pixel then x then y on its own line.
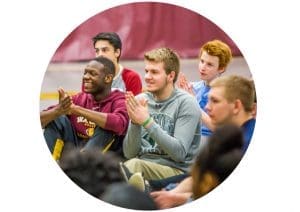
pixel 94 118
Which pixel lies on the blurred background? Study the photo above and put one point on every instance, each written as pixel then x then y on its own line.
pixel 141 27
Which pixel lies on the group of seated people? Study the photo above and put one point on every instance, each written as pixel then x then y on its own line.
pixel 182 137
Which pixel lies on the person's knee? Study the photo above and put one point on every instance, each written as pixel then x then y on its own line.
pixel 133 162
pixel 134 165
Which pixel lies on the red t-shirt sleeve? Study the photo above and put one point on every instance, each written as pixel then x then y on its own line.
pixel 132 81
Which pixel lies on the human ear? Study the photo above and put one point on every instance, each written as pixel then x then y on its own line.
pixel 117 53
pixel 171 76
pixel 221 70
pixel 108 78
pixel 237 106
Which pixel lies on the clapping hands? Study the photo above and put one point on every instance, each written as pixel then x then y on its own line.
pixel 137 108
pixel 64 103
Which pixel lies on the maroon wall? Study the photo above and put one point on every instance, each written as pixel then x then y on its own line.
pixel 143 26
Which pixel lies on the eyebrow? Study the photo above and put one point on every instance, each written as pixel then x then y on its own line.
pixel 103 47
pixel 91 69
pixel 151 69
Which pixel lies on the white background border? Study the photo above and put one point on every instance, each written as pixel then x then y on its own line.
pixel 266 180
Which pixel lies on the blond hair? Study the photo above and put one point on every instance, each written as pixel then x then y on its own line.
pixel 168 57
pixel 236 87
pixel 219 49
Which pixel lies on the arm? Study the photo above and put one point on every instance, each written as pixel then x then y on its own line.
pixel 116 121
pixel 175 146
pixel 177 196
pixel 184 186
pixel 178 145
pixel 132 141
pixel 62 108
pixel 184 84
pixel 94 116
pixel 207 120
pixel 169 199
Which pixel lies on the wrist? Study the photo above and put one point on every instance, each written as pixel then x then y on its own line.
pixel 57 111
pixel 147 122
pixel 74 109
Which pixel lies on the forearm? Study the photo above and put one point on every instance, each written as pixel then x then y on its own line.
pixel 171 145
pixel 97 117
pixel 48 116
pixel 184 186
pixel 169 199
pixel 182 198
pixel 178 144
pixel 207 120
pixel 132 141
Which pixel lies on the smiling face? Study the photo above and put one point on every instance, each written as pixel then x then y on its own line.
pixel 94 78
pixel 209 67
pixel 219 109
pixel 157 81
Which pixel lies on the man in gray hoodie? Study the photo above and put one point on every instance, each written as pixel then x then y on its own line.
pixel 163 136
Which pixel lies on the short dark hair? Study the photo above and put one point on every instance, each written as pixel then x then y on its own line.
pixel 92 170
pixel 109 67
pixel 112 37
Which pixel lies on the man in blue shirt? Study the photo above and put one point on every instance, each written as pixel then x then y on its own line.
pixel 214 57
pixel 230 101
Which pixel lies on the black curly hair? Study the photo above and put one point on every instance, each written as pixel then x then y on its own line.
pixel 92 170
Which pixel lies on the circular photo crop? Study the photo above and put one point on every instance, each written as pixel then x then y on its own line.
pixel 147 106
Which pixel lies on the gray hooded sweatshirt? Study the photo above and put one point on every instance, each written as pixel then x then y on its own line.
pixel 173 139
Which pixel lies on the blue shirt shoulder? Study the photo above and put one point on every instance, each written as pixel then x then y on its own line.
pixel 248 128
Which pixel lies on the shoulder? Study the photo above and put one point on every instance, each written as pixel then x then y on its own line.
pixel 186 105
pixel 128 73
pixel 249 124
pixel 182 94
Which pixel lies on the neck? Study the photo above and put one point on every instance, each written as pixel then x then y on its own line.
pixel 208 81
pixel 117 66
pixel 164 93
pixel 242 118
pixel 102 95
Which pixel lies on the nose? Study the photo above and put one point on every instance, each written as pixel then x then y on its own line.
pixel 86 76
pixel 147 75
pixel 202 66
pixel 99 54
pixel 207 106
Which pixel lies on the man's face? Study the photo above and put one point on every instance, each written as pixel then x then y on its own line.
pixel 218 108
pixel 93 78
pixel 105 49
pixel 209 67
pixel 155 77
